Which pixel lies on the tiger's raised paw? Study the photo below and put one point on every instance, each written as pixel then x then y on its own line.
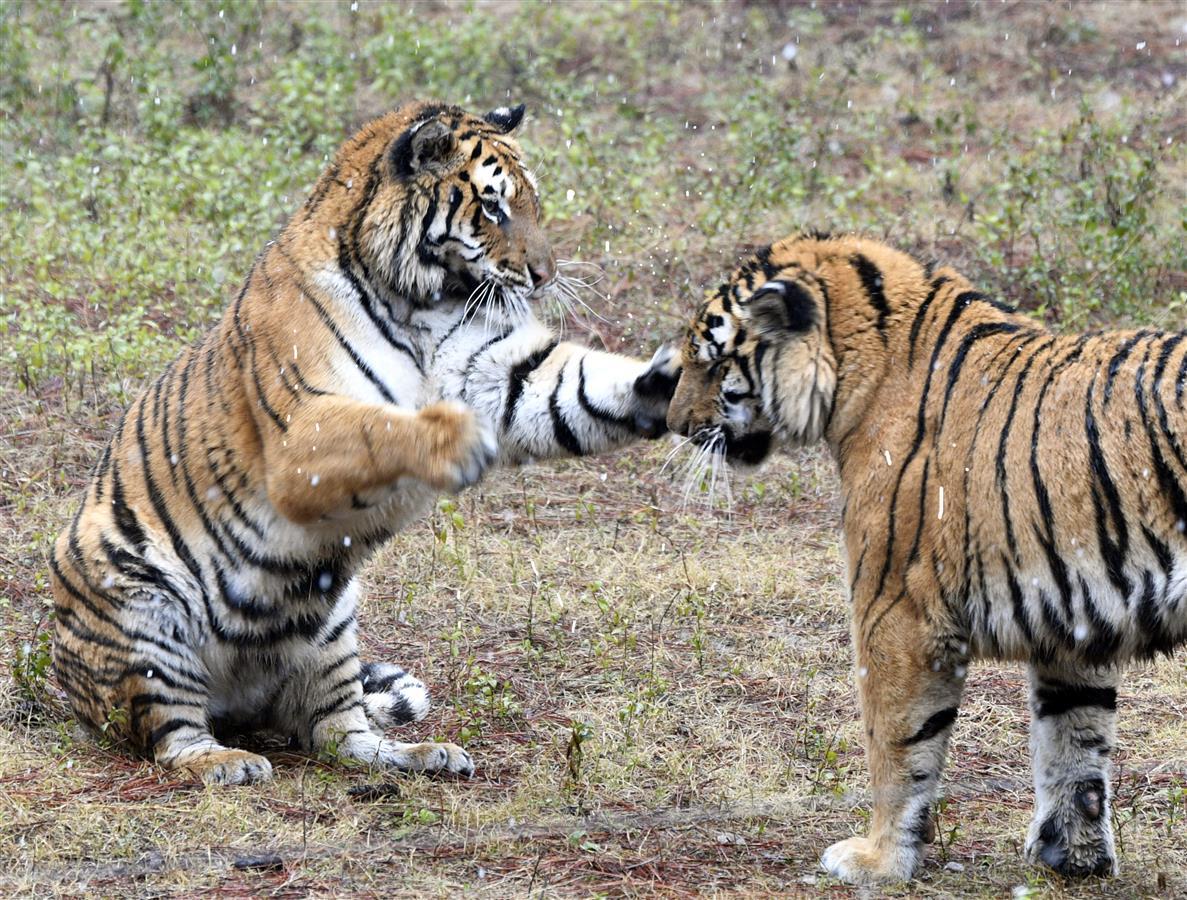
pixel 654 389
pixel 462 445
pixel 858 861
pixel 229 767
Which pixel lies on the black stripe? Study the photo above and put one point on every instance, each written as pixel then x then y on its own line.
pixel 594 412
pixel 336 632
pixel 1054 698
pixel 1017 603
pixel 1000 464
pixel 332 327
pixel 125 519
pixel 167 728
pixel 936 724
pixel 1119 359
pixel 160 507
pixel 1044 529
pixel 1158 639
pixel 976 333
pixel 921 315
pixel 561 430
pixel 369 304
pixel 1168 347
pixel 1112 552
pixel 1174 491
pixel 873 282
pixel 473 357
pixel 519 374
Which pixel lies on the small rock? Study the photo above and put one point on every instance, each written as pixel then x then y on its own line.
pixel 953 867
pixel 264 861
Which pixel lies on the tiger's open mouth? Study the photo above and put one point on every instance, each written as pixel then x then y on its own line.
pixel 747 449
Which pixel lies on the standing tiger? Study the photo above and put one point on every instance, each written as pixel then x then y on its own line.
pixel 1008 493
pixel 381 350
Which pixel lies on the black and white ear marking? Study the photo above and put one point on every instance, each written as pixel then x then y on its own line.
pixel 506 118
pixel 782 306
pixel 425 146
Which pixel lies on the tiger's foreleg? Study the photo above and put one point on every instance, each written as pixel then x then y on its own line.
pixel 1073 712
pixel 910 692
pixel 333 448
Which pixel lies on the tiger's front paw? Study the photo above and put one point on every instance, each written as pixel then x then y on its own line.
pixel 654 389
pixel 1074 836
pixel 859 861
pixel 462 446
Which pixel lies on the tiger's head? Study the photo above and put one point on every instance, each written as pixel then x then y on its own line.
pixel 435 205
pixel 757 368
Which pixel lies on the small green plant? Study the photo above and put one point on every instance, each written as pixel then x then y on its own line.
pixel 31 667
pixel 580 734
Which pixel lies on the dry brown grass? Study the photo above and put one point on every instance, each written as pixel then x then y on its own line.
pixel 658 697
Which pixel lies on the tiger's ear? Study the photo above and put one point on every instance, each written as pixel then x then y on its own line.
pixel 506 119
pixel 782 307
pixel 426 146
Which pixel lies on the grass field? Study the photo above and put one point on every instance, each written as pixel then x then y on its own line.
pixel 657 692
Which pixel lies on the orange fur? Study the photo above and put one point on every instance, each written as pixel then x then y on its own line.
pixel 1007 493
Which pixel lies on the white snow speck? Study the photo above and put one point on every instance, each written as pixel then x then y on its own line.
pixel 325 581
pixel 173 459
pixel 108 582
pixel 940 513
pixel 863 672
pixel 789 52
pixel 346 540
pixel 211 493
pixel 935 666
pixel 332 234
pixel 1080 632
pixel 570 194
pixel 314 479
pixel 1140 45
pixel 148 673
pixel 886 454
pixel 960 671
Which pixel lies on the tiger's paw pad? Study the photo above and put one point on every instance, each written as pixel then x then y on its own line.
pixel 466 444
pixel 229 767
pixel 858 861
pixel 1075 840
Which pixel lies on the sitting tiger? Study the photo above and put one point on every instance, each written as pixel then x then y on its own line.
pixel 1008 493
pixel 381 350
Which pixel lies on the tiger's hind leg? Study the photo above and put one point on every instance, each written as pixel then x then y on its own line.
pixel 1074 714
pixel 327 708
pixel 127 678
pixel 392 697
pixel 910 695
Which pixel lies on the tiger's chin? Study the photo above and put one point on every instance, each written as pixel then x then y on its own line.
pixel 748 450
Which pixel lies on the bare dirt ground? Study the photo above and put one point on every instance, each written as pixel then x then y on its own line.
pixel 657 690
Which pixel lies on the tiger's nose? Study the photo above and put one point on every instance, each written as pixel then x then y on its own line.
pixel 542 271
